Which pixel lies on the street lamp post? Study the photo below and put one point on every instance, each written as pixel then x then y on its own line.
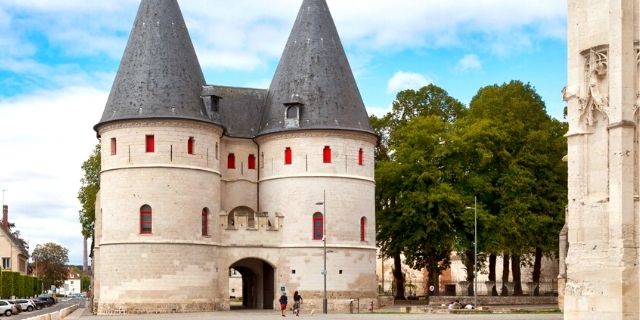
pixel 475 251
pixel 324 242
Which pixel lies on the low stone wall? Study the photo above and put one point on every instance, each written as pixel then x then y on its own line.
pixel 57 315
pixel 496 300
pixel 144 308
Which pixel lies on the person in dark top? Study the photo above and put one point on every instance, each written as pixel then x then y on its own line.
pixel 283 303
pixel 297 301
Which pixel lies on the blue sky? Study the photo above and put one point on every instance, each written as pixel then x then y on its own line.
pixel 59 58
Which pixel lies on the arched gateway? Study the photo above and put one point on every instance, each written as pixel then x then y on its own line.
pixel 258 285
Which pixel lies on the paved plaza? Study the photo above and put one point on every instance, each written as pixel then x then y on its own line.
pixel 257 315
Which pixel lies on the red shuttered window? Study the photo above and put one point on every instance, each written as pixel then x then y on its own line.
pixel 360 157
pixel 190 144
pixel 318 226
pixel 150 143
pixel 251 162
pixel 205 222
pixel 146 219
pixel 326 154
pixel 287 155
pixel 231 161
pixel 363 228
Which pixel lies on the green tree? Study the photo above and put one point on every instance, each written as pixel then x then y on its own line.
pixel 85 283
pixel 413 197
pixel 89 187
pixel 522 180
pixel 52 260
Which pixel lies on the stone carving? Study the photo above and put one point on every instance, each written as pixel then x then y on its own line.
pixel 596 98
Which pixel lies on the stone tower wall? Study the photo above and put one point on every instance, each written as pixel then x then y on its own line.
pixel 174 267
pixel 294 190
pixel 603 156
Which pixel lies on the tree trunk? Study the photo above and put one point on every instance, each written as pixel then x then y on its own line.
pixel 434 280
pixel 469 265
pixel 505 275
pixel 537 266
pixel 515 268
pixel 398 276
pixel 492 273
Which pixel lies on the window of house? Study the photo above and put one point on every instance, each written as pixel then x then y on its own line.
pixel 150 143
pixel 216 151
pixel 360 157
pixel 231 161
pixel 205 222
pixel 287 155
pixel 190 145
pixel 261 159
pixel 363 228
pixel 318 226
pixel 145 219
pixel 326 154
pixel 6 263
pixel 113 146
pixel 252 162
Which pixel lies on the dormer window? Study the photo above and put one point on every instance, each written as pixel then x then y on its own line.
pixel 292 114
pixel 211 103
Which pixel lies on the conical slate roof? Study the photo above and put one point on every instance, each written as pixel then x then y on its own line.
pixel 314 74
pixel 159 75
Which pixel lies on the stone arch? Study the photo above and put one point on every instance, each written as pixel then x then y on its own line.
pixel 258 282
pixel 242 217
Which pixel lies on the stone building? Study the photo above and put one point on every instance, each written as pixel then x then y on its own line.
pixel 12 250
pixel 197 179
pixel 603 219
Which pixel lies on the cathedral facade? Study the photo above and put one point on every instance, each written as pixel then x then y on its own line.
pixel 200 179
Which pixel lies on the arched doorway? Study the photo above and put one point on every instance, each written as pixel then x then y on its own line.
pixel 257 283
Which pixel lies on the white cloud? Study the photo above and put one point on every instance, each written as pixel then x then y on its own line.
pixel 255 31
pixel 469 62
pixel 45 137
pixel 406 80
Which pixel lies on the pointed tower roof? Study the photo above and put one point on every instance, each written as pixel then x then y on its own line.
pixel 314 75
pixel 159 75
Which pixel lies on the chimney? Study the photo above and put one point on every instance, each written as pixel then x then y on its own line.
pixel 5 217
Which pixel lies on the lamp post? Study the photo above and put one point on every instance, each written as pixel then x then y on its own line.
pixel 324 242
pixel 475 250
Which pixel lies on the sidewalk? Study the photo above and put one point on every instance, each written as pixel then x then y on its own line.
pixel 384 314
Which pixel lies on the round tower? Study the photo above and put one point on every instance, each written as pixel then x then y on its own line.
pixel 155 246
pixel 317 167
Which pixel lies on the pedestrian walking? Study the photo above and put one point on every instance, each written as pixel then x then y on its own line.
pixel 297 301
pixel 283 303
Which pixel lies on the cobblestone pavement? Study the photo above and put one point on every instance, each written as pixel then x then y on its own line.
pixel 258 315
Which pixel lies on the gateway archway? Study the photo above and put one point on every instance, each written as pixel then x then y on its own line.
pixel 258 286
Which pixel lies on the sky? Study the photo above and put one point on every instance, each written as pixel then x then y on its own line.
pixel 58 59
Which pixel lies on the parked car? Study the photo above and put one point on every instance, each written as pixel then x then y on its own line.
pixel 7 308
pixel 13 302
pixel 49 300
pixel 39 303
pixel 26 305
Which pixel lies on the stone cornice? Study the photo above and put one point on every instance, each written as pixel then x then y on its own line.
pixel 367 137
pixel 161 166
pixel 318 175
